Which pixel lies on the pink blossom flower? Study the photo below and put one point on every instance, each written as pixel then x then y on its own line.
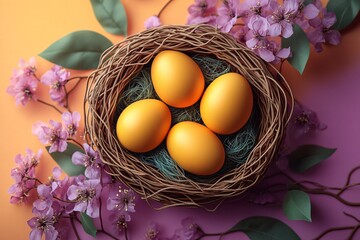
pixel 279 53
pixel 257 38
pixel 239 33
pixel 121 199
pixel 91 160
pixel 151 22
pixel 55 178
pixel 228 14
pixel 24 174
pixel 43 204
pixel 86 193
pixel 23 88
pixel 322 32
pixel 282 19
pixel 60 191
pixel 202 11
pixel 303 120
pixel 309 11
pixel 56 78
pixel 256 7
pixel 305 13
pixel 189 231
pixel 55 135
pixel 152 232
pixel 71 122
pixel 43 224
pixel 25 68
pixel 119 220
pixel 192 231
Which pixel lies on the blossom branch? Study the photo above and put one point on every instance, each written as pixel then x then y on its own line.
pixel 49 105
pixel 76 84
pixel 74 228
pixel 75 141
pixel 354 228
pixel 163 8
pixel 66 99
pixel 325 189
pixel 314 187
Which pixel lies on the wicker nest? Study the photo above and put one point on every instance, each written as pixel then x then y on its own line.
pixel 118 66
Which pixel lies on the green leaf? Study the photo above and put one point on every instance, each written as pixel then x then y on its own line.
pixel 63 159
pixel 297 205
pixel 345 11
pixel 307 156
pixel 79 50
pixel 307 2
pixel 111 15
pixel 356 5
pixel 300 49
pixel 88 224
pixel 260 228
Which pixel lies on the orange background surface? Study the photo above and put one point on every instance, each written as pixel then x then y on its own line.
pixel 28 27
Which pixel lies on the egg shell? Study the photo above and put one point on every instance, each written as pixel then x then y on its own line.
pixel 227 103
pixel 177 78
pixel 143 125
pixel 195 148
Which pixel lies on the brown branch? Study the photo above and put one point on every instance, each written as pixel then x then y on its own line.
pixel 334 229
pixel 163 8
pixel 74 228
pixel 49 105
pixel 76 84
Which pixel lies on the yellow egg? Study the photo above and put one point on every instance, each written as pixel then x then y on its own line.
pixel 227 103
pixel 195 148
pixel 177 79
pixel 143 125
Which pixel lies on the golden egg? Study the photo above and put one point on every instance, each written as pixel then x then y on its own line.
pixel 143 125
pixel 227 103
pixel 195 148
pixel 177 79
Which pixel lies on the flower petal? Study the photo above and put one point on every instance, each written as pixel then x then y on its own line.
pixel 266 54
pixel 78 158
pixel 36 234
pixel 275 29
pixel 283 53
pixel 311 11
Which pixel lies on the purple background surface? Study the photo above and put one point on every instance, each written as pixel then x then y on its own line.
pixel 330 86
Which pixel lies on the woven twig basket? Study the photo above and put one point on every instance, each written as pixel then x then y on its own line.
pixel 118 66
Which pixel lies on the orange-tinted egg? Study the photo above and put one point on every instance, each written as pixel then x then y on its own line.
pixel 177 79
pixel 143 125
pixel 227 103
pixel 195 148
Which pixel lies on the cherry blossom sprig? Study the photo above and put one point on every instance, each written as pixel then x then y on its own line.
pixel 24 84
pixel 60 200
pixel 262 24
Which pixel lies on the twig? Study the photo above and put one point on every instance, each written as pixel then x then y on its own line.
pixel 163 8
pixel 352 216
pixel 108 234
pixel 77 77
pixel 75 141
pixel 334 229
pixel 76 84
pixel 126 233
pixel 337 196
pixel 74 228
pixel 66 99
pixel 49 105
